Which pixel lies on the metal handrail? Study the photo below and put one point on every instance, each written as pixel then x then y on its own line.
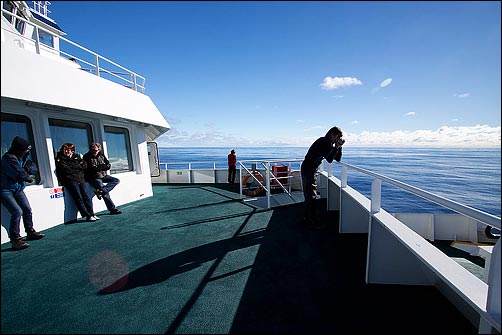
pixel 189 164
pixel 266 165
pixel 271 174
pixel 95 66
pixel 473 213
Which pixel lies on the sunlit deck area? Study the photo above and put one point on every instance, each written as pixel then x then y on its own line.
pixel 195 258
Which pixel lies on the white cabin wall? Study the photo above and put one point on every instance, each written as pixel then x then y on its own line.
pixel 60 90
pixel 50 210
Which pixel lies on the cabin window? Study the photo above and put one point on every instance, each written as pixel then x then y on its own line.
pixel 65 131
pixel 45 38
pixel 118 148
pixel 9 6
pixel 18 125
pixel 19 24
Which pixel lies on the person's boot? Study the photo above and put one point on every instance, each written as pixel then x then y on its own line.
pixel 19 244
pixel 32 235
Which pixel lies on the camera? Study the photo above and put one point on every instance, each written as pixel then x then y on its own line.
pixel 340 141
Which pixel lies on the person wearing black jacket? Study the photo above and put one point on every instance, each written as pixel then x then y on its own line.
pixel 96 165
pixel 16 172
pixel 321 149
pixel 70 173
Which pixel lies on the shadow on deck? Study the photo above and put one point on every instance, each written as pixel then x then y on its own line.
pixel 196 259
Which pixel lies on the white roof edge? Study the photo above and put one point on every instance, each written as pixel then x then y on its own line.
pixel 48 81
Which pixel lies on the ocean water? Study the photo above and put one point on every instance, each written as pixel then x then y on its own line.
pixel 471 177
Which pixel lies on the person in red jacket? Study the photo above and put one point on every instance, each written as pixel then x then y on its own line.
pixel 232 166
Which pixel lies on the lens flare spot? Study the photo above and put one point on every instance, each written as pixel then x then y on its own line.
pixel 108 271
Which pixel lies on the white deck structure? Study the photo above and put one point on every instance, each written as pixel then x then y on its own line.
pixel 44 89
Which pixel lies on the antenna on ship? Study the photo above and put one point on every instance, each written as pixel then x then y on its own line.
pixel 42 8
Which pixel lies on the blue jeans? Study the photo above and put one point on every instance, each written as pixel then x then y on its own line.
pixel 78 192
pixel 18 206
pixel 110 182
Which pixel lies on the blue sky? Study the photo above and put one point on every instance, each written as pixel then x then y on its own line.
pixel 283 73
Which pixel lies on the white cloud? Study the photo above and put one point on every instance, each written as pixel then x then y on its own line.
pixel 410 114
pixel 386 82
pixel 480 136
pixel 354 122
pixel 330 83
pixel 462 95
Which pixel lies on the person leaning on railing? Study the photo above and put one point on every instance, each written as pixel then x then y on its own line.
pixel 232 166
pixel 321 149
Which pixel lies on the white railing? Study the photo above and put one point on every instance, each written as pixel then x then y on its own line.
pixel 97 64
pixel 42 7
pixel 271 180
pixel 376 185
pixel 189 165
pixel 487 304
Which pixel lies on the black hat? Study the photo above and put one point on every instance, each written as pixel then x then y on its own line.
pixel 20 144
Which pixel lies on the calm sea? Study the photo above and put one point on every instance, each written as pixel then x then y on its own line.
pixel 468 176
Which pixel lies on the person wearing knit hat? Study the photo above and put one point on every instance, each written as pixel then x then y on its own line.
pixel 19 144
pixel 16 172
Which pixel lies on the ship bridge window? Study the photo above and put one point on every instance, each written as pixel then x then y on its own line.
pixel 45 38
pixel 9 6
pixel 118 148
pixel 18 23
pixel 18 125
pixel 66 131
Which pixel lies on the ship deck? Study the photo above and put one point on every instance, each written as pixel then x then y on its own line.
pixel 194 258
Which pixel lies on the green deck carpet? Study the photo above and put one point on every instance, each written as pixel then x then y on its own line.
pixel 195 259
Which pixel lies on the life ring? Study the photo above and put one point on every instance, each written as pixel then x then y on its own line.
pixel 252 192
pixel 489 234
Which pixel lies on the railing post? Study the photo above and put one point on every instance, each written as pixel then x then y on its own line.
pixel 290 177
pixel 268 184
pixel 376 195
pixel 189 173
pixel 344 177
pixel 96 64
pixel 240 180
pixel 330 169
pixel 133 75
pixel 37 40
